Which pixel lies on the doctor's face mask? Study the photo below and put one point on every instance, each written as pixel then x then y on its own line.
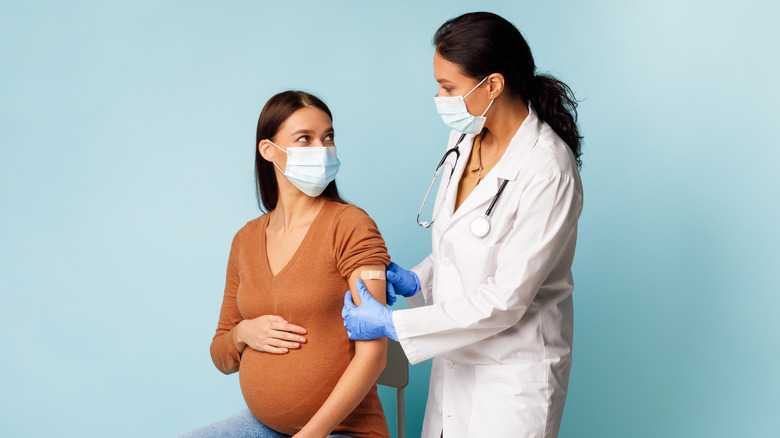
pixel 454 113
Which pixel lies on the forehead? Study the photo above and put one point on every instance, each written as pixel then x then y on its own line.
pixel 308 118
pixel 446 71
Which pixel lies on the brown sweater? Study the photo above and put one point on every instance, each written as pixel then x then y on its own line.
pixel 285 391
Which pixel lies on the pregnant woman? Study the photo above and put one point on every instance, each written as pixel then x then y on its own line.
pixel 280 325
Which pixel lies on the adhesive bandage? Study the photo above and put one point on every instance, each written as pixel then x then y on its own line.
pixel 373 275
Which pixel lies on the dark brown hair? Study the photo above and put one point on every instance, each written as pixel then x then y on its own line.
pixel 274 114
pixel 483 43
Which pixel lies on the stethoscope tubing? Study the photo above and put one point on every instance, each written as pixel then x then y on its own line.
pixel 495 198
pixel 456 150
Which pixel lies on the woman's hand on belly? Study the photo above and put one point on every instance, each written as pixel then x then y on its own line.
pixel 269 334
pixel 361 373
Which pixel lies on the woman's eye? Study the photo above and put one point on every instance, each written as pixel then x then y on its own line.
pixel 448 89
pixel 303 139
pixel 329 138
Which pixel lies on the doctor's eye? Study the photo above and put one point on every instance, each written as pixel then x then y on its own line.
pixel 447 89
pixel 329 138
pixel 304 139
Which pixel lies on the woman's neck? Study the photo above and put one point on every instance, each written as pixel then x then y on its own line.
pixel 503 120
pixel 294 208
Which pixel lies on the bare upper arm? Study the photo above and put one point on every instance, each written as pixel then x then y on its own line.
pixel 377 289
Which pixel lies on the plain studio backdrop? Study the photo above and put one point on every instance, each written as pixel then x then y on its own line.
pixel 127 134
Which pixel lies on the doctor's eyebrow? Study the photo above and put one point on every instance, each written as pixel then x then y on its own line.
pixel 309 132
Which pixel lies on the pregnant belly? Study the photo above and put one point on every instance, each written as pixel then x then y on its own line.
pixel 285 391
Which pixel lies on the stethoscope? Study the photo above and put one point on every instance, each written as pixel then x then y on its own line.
pixel 480 226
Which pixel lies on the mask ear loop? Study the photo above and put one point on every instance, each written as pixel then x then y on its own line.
pixel 472 90
pixel 277 147
pixel 486 109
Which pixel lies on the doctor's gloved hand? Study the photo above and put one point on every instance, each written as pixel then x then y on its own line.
pixel 400 282
pixel 370 320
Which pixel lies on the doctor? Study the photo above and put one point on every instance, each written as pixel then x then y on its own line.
pixel 494 308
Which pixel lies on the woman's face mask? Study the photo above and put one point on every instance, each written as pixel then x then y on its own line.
pixel 310 168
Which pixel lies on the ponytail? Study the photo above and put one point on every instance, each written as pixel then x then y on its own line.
pixel 555 103
pixel 482 43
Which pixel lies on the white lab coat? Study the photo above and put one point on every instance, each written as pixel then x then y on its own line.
pixel 497 315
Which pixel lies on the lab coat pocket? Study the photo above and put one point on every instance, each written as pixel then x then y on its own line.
pixel 512 398
pixel 481 262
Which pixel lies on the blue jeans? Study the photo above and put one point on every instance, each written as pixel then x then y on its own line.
pixel 241 425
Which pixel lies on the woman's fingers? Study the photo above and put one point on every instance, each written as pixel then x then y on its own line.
pixel 273 350
pixel 279 343
pixel 286 336
pixel 273 334
pixel 278 346
pixel 287 327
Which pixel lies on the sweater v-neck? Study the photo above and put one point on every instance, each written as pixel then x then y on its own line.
pixel 298 251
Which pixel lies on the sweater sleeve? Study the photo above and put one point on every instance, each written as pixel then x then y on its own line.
pixel 223 350
pixel 357 241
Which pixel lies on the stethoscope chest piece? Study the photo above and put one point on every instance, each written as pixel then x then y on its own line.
pixel 480 226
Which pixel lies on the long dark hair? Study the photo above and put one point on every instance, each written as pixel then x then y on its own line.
pixel 274 114
pixel 482 43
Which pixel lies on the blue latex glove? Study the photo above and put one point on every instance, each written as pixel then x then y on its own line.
pixel 370 320
pixel 400 282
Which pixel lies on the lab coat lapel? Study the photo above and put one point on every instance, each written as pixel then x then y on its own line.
pixel 507 168
pixel 482 193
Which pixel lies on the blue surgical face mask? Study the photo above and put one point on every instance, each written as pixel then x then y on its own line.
pixel 453 112
pixel 310 169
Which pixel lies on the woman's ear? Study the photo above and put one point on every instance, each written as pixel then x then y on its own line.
pixel 496 84
pixel 267 150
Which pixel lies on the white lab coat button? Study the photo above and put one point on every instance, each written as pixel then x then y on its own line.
pixel 445 261
pixel 449 364
pixel 439 410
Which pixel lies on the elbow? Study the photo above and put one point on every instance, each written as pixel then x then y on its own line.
pixel 380 362
pixel 503 319
pixel 378 365
pixel 227 371
pixel 372 355
pixel 223 364
pixel 223 367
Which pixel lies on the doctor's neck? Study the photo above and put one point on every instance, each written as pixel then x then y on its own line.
pixel 503 120
pixel 294 208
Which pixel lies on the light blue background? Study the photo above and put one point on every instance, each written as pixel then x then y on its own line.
pixel 127 134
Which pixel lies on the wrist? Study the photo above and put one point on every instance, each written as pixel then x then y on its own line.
pixel 306 433
pixel 238 338
pixel 414 287
pixel 389 326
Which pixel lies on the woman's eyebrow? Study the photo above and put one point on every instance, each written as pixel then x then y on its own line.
pixel 302 131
